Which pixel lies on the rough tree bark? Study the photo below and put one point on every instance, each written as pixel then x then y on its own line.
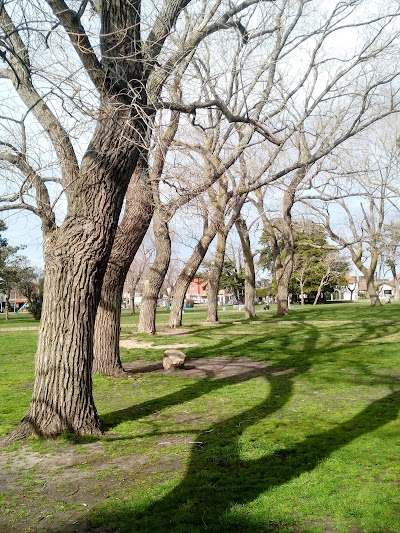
pixel 250 276
pixel 214 277
pixel 157 273
pixel 76 253
pixel 142 197
pixel 76 257
pixel 129 236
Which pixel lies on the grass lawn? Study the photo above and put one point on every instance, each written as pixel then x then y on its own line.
pixel 311 443
pixel 22 320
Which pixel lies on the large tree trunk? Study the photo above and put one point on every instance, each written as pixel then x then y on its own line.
pixel 214 277
pixel 250 276
pixel 62 398
pixel 156 276
pixel 129 236
pixel 188 273
pixel 76 257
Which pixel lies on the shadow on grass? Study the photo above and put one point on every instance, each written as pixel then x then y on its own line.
pixel 217 478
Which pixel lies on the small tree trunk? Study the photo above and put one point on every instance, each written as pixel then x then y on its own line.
pixel 212 298
pixel 156 276
pixel 317 296
pixel 129 236
pixel 301 283
pixel 107 333
pixel 188 273
pixel 373 295
pixel 250 276
pixel 283 276
pixel 319 290
pixel 215 275
pixel 7 306
pixel 132 302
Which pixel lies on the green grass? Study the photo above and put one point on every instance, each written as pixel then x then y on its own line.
pixel 22 320
pixel 311 445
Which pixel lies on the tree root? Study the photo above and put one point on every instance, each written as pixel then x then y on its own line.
pixel 26 429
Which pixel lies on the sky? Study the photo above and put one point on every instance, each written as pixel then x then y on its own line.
pixel 24 230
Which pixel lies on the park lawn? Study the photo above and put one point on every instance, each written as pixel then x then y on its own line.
pixel 21 320
pixel 311 444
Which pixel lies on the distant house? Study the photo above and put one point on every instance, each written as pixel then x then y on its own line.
pixel 349 292
pixel 224 296
pixel 385 288
pixel 197 290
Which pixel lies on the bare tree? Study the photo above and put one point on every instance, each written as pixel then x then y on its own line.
pixel 219 205
pixel 196 29
pixel 278 231
pixel 391 234
pixel 357 222
pixel 139 209
pixel 216 265
pixel 120 69
pixel 137 271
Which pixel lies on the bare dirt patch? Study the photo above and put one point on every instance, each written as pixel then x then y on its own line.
pixel 53 493
pixel 217 368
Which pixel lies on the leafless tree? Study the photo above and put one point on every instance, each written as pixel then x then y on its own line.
pixel 357 223
pixel 187 69
pixel 109 61
pixel 278 231
pixel 221 203
pixel 138 269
